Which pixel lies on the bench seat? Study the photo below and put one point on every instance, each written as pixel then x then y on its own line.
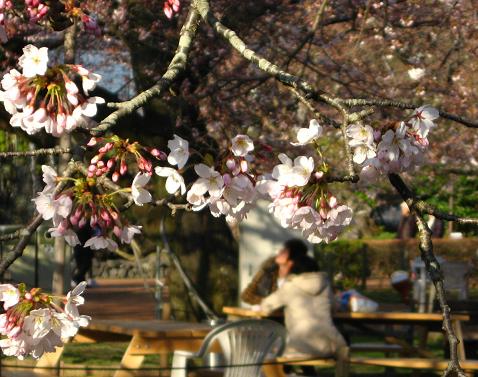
pixel 412 363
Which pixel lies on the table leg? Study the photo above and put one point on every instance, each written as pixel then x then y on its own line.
pixel 456 325
pixel 48 361
pixel 130 361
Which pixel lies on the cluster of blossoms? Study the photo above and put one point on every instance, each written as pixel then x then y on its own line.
pixel 231 190
pixel 395 150
pixel 48 98
pixel 170 7
pixel 83 206
pixel 300 196
pixel 112 157
pixel 35 322
pixel 38 11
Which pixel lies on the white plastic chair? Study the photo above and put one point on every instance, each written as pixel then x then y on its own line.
pixel 247 342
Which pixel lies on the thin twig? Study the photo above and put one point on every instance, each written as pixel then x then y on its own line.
pixel 36 152
pixel 403 105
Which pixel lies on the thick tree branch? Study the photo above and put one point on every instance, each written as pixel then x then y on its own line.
pixel 423 207
pixel 265 65
pixel 433 269
pixel 26 233
pixel 177 65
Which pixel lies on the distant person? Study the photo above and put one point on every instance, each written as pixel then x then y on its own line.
pixel 83 256
pixel 408 226
pixel 273 271
pixel 307 299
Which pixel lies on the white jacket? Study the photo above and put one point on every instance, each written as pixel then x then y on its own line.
pixel 307 300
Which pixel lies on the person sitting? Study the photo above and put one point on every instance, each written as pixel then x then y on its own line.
pixel 307 299
pixel 273 271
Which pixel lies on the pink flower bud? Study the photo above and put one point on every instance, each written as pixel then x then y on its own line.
pixel 95 159
pixel 318 175
pixel 28 296
pixel 231 164
pixel 92 142
pixel 333 202
pixel 123 167
pixel 323 214
pixel 117 231
pixel 227 179
pixel 244 166
pixel 115 176
pixel 90 174
pixel 110 163
pixel 82 222
pixel 99 172
pixel 155 152
pixel 105 215
pixel 100 164
pixel 92 168
pixel 74 220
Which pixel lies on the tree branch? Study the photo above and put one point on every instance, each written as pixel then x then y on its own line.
pixel 26 233
pixel 433 269
pixel 177 65
pixel 263 64
pixel 404 105
pixel 423 207
pixel 36 152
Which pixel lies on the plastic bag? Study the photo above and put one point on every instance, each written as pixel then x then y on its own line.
pixel 355 302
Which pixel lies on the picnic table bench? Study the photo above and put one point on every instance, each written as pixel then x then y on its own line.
pixel 429 321
pixel 149 337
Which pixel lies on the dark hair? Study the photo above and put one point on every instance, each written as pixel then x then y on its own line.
pixel 297 248
pixel 304 264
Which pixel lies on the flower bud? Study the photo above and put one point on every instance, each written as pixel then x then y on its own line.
pixel 115 176
pixel 227 179
pixel 123 167
pixel 110 163
pixel 333 202
pixel 244 166
pixel 92 142
pixel 231 164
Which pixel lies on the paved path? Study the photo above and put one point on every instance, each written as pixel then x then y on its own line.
pixel 119 299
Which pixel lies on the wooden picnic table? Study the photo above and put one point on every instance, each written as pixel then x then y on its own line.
pixel 429 321
pixel 145 338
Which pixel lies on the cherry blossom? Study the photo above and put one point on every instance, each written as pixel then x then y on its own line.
pixel 100 243
pixel 34 61
pixel 310 134
pixel 179 151
pixel 241 145
pixel 416 73
pixel 422 120
pixel 35 322
pixel 140 194
pixel 47 98
pixel 9 295
pixel 174 181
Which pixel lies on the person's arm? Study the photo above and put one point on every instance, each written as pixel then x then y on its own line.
pixel 273 302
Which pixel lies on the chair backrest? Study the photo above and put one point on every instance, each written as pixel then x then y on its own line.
pixel 247 342
pixel 456 276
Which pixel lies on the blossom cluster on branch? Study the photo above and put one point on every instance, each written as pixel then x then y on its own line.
pixel 48 98
pixel 43 13
pixel 35 322
pixel 393 150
